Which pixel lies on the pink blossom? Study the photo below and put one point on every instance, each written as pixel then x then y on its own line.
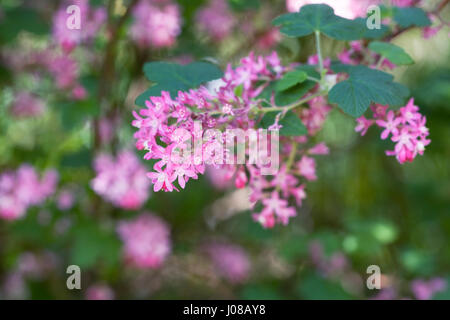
pixel 425 290
pixel 22 189
pixel 156 24
pixel 215 19
pixel 307 168
pixel 407 127
pixel 391 125
pixel 231 261
pixel 27 105
pixel 363 125
pixel 99 292
pixel 91 21
pixel 121 181
pixel 146 241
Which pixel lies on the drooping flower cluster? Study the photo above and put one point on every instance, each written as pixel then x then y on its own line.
pixel 166 128
pixel 121 180
pixel 65 31
pixel 231 261
pixel 406 127
pixel 22 189
pixel 146 241
pixel 157 23
pixel 215 20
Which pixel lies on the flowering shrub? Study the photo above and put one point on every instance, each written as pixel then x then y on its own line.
pixel 308 130
pixel 243 94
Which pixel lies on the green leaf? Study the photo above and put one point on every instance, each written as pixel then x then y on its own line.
pixel 244 5
pixel 318 17
pixel 292 125
pixel 315 287
pixel 290 79
pixel 173 77
pixel 92 245
pixel 411 16
pixel 392 52
pixel 371 33
pixel 363 87
pixel 293 94
pixel 21 19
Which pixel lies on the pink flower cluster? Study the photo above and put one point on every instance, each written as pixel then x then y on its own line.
pixel 231 261
pixel 91 21
pixel 146 241
pixel 171 121
pixel 22 189
pixel 167 124
pixel 215 19
pixel 157 23
pixel 405 126
pixel 27 105
pixel 425 290
pixel 121 180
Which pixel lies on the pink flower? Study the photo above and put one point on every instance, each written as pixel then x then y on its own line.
pixel 363 125
pixel 391 125
pixel 215 19
pixel 146 241
pixel 22 189
pixel 27 105
pixel 319 149
pixel 99 292
pixel 425 290
pixel 307 168
pixel 161 180
pixel 91 22
pixel 156 24
pixel 121 181
pixel 231 261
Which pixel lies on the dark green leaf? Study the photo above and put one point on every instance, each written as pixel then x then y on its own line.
pixel 21 19
pixel 392 52
pixel 243 5
pixel 318 17
pixel 173 77
pixel 363 87
pixel 295 93
pixel 290 79
pixel 292 125
pixel 372 33
pixel 411 16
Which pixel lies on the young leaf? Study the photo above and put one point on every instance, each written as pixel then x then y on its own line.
pixel 173 77
pixel 392 52
pixel 410 16
pixel 292 125
pixel 290 79
pixel 363 87
pixel 319 17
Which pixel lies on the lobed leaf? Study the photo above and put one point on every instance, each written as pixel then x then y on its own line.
pixel 174 77
pixel 364 87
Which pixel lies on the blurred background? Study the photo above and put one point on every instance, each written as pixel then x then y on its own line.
pixel 71 187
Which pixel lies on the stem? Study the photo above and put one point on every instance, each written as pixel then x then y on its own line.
pixel 292 106
pixel 319 54
pixel 291 156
